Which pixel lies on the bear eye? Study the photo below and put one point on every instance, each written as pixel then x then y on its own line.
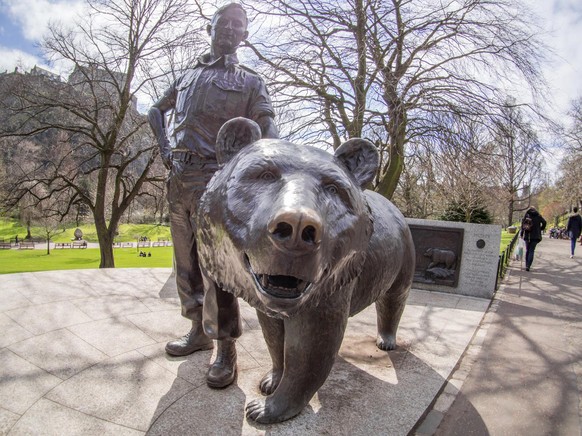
pixel 267 176
pixel 331 188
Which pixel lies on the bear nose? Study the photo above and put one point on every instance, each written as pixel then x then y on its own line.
pixel 296 229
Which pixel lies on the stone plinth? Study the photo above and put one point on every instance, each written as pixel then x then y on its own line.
pixel 475 264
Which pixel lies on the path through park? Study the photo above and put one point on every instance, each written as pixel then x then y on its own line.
pixel 526 378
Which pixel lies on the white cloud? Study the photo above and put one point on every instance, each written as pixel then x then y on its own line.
pixel 35 15
pixel 10 58
pixel 562 21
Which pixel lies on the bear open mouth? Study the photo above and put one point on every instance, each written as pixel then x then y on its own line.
pixel 281 286
pixel 278 286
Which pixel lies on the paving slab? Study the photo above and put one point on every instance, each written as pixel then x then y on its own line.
pixel 59 352
pixel 7 420
pixel 42 318
pixel 112 336
pixel 110 306
pixel 60 420
pixel 21 383
pixel 12 298
pixel 11 331
pixel 91 361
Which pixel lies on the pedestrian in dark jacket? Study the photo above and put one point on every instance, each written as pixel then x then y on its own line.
pixel 532 226
pixel 574 228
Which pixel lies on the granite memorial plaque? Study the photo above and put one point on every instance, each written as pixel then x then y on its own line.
pixel 453 257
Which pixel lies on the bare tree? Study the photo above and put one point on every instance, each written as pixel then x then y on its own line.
pixel 573 134
pixel 50 220
pixel 382 69
pixel 570 182
pixel 461 167
pixel 103 153
pixel 518 163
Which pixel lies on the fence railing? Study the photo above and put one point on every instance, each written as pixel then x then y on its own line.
pixel 504 259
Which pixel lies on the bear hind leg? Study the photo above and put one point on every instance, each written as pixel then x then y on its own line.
pixel 389 308
pixel 274 334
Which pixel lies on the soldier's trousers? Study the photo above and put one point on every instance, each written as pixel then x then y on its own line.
pixel 186 184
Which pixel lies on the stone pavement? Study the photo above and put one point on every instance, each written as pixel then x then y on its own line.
pixel 522 374
pixel 82 352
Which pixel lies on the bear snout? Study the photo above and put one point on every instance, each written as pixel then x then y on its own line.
pixel 296 229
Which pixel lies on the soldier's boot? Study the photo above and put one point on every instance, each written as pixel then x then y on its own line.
pixel 194 340
pixel 223 371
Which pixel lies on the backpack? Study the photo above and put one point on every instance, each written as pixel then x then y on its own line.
pixel 527 224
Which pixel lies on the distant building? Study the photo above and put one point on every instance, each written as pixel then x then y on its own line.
pixel 92 79
pixel 38 71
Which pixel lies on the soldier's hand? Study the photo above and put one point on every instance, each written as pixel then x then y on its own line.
pixel 167 160
pixel 165 151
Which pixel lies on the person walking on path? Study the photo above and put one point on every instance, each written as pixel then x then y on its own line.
pixel 214 90
pixel 574 228
pixel 532 226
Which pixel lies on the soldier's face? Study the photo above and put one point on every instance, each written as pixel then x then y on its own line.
pixel 228 30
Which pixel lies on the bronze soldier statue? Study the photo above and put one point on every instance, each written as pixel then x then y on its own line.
pixel 207 95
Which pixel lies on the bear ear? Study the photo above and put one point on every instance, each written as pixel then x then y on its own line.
pixel 361 157
pixel 234 135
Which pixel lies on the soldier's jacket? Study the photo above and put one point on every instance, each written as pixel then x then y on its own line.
pixel 208 95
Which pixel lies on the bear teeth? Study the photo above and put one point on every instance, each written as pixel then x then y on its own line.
pixel 278 286
pixel 282 286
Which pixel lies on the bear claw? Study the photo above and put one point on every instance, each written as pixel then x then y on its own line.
pixel 270 381
pixel 255 410
pixel 270 411
pixel 386 343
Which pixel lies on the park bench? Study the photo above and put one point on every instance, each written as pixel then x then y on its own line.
pixel 62 245
pixel 143 244
pixel 26 245
pixel 160 243
pixel 123 245
pixel 79 244
pixel 5 245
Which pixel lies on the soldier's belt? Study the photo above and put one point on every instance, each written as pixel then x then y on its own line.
pixel 189 158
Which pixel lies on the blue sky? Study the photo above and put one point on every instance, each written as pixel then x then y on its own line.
pixel 11 35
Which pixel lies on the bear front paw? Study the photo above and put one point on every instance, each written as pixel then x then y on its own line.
pixel 270 411
pixel 270 382
pixel 386 342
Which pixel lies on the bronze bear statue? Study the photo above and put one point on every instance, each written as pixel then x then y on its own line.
pixel 290 229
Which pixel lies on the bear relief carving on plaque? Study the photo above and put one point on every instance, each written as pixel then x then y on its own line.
pixel 291 230
pixel 442 263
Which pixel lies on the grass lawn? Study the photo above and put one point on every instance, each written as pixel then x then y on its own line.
pixel 15 261
pixel 505 240
pixel 127 232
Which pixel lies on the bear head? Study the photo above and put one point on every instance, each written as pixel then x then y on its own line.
pixel 284 225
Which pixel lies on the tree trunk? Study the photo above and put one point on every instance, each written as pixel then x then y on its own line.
pixel 105 244
pixel 397 127
pixel 106 250
pixel 510 211
pixel 389 180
